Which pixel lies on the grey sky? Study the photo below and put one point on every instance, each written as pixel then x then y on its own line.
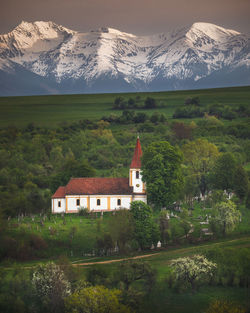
pixel 135 16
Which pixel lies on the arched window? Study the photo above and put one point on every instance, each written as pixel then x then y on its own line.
pixel 118 201
pixel 59 204
pixel 98 202
pixel 137 174
pixel 77 202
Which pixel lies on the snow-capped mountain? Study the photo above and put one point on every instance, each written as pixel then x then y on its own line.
pixel 42 57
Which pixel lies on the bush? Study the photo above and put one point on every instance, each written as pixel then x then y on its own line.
pixel 83 211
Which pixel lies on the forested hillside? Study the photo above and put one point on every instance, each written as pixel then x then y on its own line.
pixel 35 160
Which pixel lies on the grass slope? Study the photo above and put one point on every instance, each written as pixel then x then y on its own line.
pixel 49 111
pixel 162 299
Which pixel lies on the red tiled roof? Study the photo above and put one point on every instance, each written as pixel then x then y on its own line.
pixel 60 193
pixel 136 161
pixel 98 186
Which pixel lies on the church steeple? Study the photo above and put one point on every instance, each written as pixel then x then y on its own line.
pixel 135 178
pixel 136 161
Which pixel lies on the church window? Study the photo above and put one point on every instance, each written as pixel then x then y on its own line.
pixel 59 204
pixel 137 174
pixel 77 201
pixel 98 202
pixel 118 201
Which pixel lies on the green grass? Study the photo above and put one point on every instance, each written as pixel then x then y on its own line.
pixel 162 299
pixel 49 111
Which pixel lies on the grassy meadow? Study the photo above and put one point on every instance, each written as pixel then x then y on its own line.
pixel 50 111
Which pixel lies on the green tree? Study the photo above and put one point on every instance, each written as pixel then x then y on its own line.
pixel 241 182
pixel 146 231
pixel 50 287
pixel 149 103
pixel 161 170
pixel 185 222
pixel 199 156
pixel 223 172
pixel 134 270
pixel 193 271
pixel 95 299
pixel 225 217
pixel 190 189
pixel 121 229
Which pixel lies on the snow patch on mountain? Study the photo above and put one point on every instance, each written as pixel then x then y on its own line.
pixel 60 54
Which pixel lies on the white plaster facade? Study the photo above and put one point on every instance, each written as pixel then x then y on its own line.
pixel 133 189
pixel 58 205
pixel 107 203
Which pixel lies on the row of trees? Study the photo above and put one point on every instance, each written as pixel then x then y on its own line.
pixel 192 108
pixel 121 104
pixel 130 116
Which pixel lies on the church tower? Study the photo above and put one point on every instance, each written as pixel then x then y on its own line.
pixel 135 177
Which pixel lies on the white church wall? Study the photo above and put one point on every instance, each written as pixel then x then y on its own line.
pixel 69 204
pixel 72 204
pixel 103 203
pixel 58 205
pixel 125 202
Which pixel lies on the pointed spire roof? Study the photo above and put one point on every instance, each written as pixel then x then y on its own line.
pixel 136 161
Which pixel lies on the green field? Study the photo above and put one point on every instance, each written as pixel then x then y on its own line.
pixel 49 111
pixel 162 298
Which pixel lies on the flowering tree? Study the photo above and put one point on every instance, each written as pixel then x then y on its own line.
pixel 193 270
pixel 225 217
pixel 50 286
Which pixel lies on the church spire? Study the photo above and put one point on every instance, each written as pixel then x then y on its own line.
pixel 136 161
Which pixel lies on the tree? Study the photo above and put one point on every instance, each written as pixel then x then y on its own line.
pixel 199 156
pixel 193 270
pixel 184 222
pixel 181 130
pixel 145 230
pixel 134 270
pixel 223 172
pixel 225 217
pixel 161 170
pixel 150 103
pixel 119 103
pixel 121 229
pixel 241 182
pixel 155 117
pixel 192 101
pixel 95 299
pixel 190 189
pixel 50 287
pixel 248 199
pixel 140 117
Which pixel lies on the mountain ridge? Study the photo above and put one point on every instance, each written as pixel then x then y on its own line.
pixel 98 60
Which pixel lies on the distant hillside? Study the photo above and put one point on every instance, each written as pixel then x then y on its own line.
pixel 50 111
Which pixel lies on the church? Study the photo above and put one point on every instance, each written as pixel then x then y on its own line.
pixel 102 194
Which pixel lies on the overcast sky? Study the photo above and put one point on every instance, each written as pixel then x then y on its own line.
pixel 135 16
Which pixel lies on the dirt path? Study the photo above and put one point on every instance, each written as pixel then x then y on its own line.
pixel 181 250
pixel 117 260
